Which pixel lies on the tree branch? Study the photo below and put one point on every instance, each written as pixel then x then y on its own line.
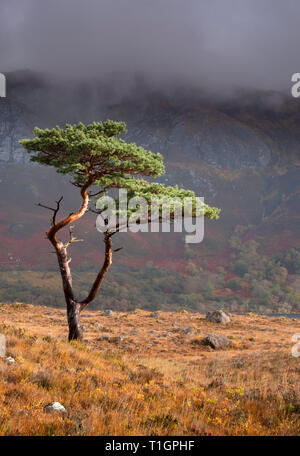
pixel 54 210
pixel 60 248
pixel 72 217
pixel 105 267
pixel 72 238
pixel 101 192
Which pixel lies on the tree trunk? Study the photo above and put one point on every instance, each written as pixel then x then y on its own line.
pixel 73 311
pixel 73 307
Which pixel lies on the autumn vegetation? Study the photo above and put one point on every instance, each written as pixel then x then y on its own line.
pixel 148 377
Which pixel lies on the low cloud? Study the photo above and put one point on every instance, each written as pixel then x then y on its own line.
pixel 207 43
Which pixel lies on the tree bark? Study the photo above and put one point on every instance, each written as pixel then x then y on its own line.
pixel 63 262
pixel 73 307
pixel 73 311
pixel 105 267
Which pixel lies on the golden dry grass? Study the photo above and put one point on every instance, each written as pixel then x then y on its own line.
pixel 147 383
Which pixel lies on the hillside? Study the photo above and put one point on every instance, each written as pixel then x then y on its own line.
pixel 241 153
pixel 141 373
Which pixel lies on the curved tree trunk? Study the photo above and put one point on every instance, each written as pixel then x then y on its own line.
pixel 73 311
pixel 73 306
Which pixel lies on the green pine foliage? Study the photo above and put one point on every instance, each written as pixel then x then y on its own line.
pixel 95 154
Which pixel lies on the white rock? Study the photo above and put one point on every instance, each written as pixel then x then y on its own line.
pixel 10 360
pixel 55 407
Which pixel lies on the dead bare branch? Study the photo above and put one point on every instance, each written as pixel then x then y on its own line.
pixel 72 238
pixel 117 250
pixel 54 210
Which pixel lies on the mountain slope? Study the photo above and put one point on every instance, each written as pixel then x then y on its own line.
pixel 241 153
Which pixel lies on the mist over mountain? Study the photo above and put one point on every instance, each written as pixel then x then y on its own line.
pixel 212 44
pixel 240 128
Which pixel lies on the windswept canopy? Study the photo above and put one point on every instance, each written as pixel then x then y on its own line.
pixel 94 154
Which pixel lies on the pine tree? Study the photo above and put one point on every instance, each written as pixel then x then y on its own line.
pixel 95 155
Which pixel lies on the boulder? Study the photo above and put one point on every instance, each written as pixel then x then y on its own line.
pixel 218 316
pixel 55 407
pixel 216 341
pixel 108 313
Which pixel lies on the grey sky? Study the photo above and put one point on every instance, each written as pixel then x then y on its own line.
pixel 206 42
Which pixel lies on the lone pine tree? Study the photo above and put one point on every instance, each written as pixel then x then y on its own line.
pixel 95 155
